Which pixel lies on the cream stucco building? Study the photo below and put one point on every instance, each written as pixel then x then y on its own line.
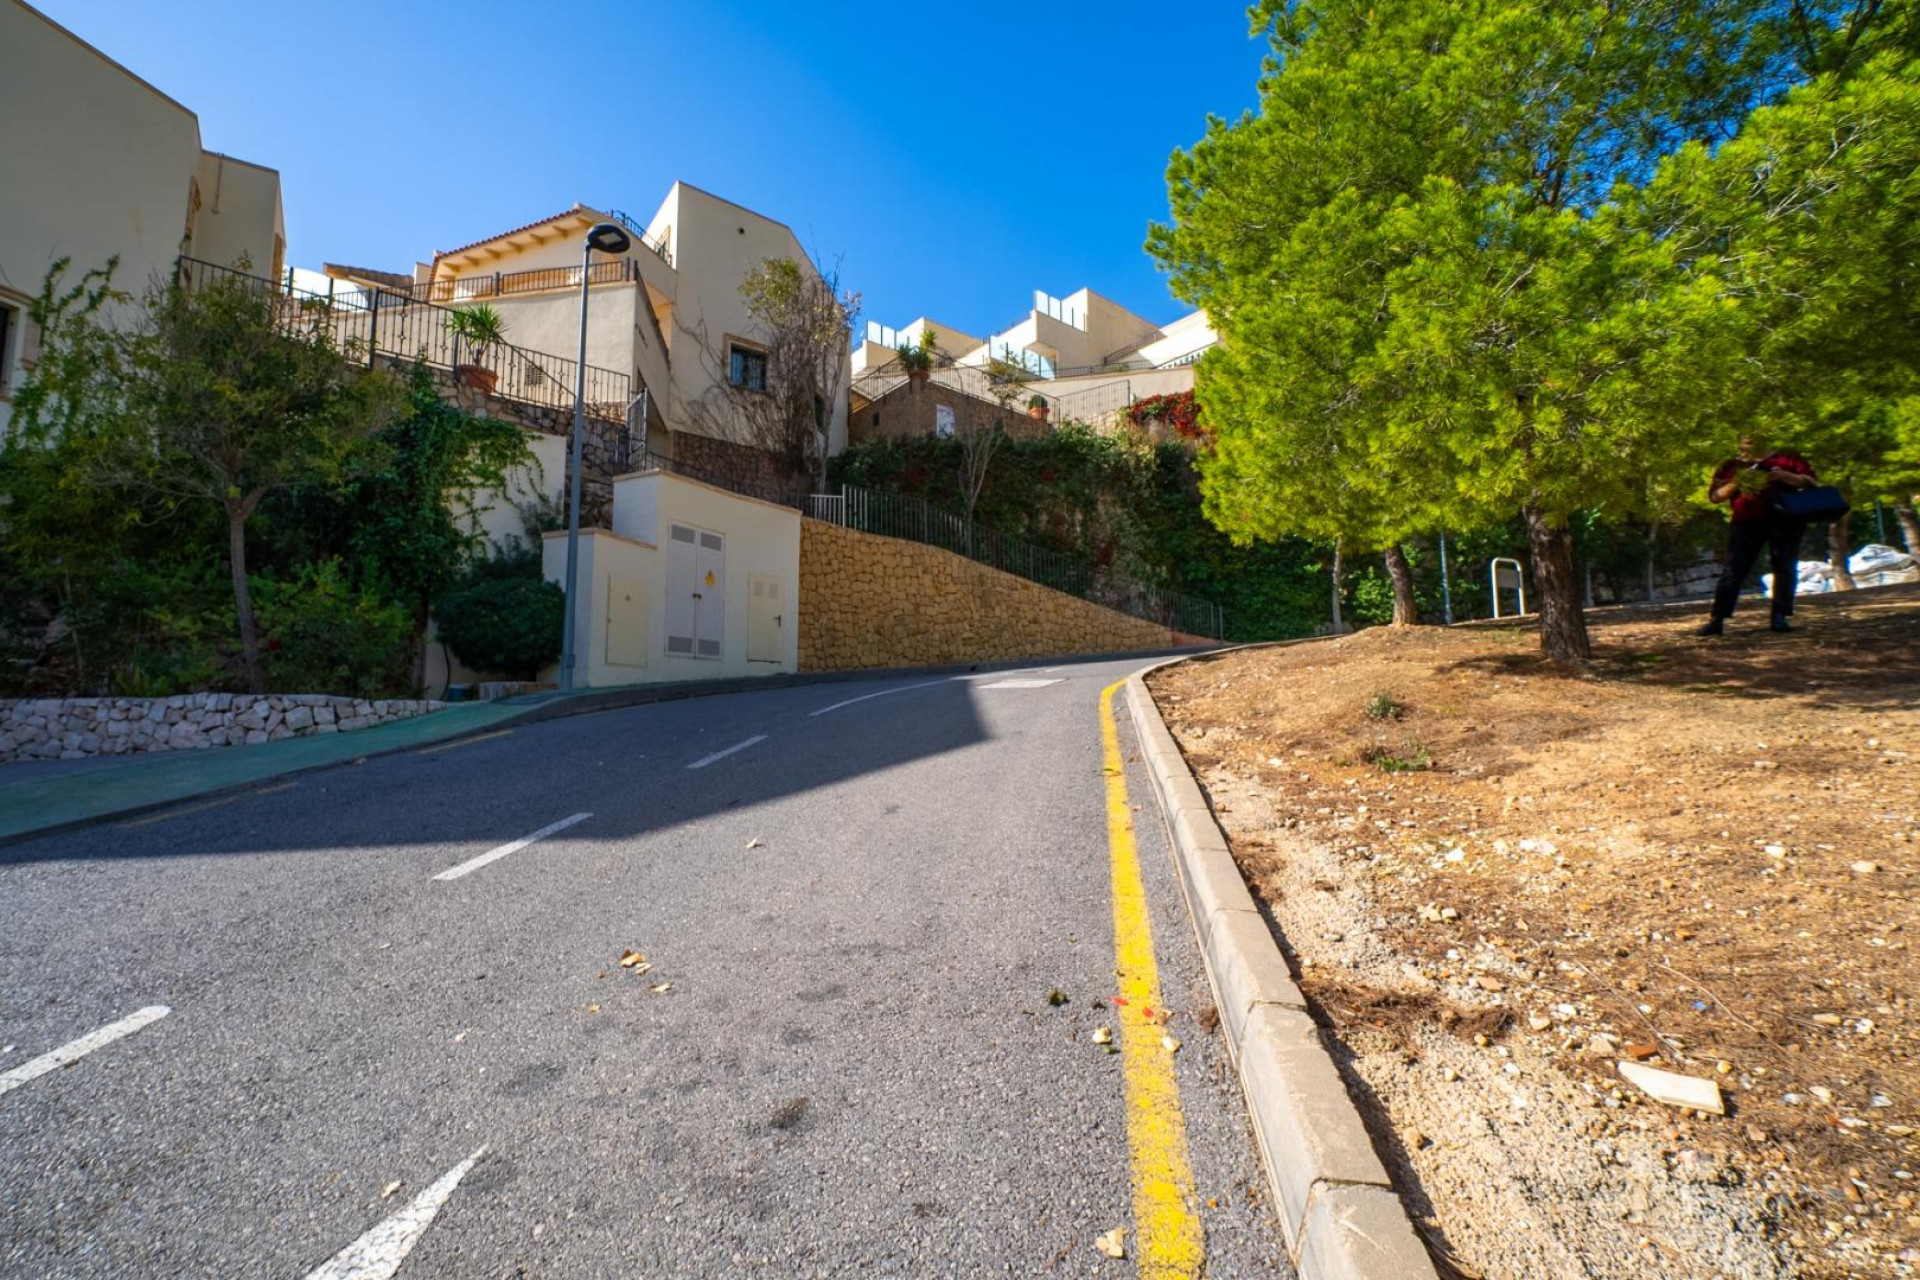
pixel 1087 357
pixel 97 163
pixel 669 311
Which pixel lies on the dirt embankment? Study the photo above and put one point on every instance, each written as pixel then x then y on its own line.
pixel 1499 879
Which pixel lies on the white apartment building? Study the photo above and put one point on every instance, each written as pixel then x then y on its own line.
pixel 1088 357
pixel 668 312
pixel 97 163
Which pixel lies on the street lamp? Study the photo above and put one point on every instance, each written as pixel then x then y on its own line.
pixel 609 239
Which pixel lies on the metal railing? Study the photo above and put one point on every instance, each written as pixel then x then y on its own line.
pixel 500 284
pixel 896 515
pixel 639 231
pixel 370 322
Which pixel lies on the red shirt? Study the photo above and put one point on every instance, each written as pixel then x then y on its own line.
pixel 1751 508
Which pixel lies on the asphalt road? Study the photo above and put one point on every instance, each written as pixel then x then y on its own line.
pixel 853 1067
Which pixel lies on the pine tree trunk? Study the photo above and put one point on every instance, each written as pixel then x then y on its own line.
pixel 1909 526
pixel 1653 535
pixel 1338 626
pixel 1839 545
pixel 1563 624
pixel 1405 611
pixel 242 599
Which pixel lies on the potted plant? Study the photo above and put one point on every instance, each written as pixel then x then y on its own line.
pixel 479 328
pixel 917 360
pixel 1037 407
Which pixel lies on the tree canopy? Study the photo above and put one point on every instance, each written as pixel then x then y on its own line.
pixel 1440 299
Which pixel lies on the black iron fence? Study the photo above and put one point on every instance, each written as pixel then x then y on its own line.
pixel 370 322
pixel 500 284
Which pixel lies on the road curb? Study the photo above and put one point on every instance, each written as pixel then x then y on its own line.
pixel 1341 1217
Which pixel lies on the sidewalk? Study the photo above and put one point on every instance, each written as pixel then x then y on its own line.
pixel 42 800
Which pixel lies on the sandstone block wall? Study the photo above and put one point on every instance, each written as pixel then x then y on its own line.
pixel 71 728
pixel 869 601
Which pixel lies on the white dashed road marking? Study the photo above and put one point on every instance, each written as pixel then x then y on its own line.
pixel 1021 684
pixel 704 761
pixel 75 1050
pixel 379 1253
pixel 883 693
pixel 494 855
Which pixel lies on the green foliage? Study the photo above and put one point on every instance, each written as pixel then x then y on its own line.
pixel 479 328
pixel 1411 757
pixel 503 617
pixel 1113 502
pixel 115 511
pixel 322 633
pixel 918 357
pixel 1436 303
pixel 1382 706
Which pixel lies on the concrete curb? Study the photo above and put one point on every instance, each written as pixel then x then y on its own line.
pixel 1340 1214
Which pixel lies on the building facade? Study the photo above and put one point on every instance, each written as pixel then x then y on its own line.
pixel 115 170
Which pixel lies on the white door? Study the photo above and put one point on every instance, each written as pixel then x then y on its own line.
pixel 765 618
pixel 626 621
pixel 710 592
pixel 682 599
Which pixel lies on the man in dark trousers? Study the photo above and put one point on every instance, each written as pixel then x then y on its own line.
pixel 1749 482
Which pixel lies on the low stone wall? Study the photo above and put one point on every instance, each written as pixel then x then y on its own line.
pixel 72 728
pixel 869 601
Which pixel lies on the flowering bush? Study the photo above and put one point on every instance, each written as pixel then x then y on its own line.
pixel 1177 410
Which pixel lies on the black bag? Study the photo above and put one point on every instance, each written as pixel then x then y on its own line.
pixel 1821 503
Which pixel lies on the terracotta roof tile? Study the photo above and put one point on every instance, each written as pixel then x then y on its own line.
pixel 576 210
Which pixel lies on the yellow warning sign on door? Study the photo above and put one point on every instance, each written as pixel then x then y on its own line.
pixel 709 577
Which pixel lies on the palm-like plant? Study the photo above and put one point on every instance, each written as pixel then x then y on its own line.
pixel 479 328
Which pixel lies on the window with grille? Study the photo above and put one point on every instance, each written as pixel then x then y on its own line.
pixel 747 368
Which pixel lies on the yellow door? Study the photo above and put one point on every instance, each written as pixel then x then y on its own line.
pixel 766 619
pixel 626 621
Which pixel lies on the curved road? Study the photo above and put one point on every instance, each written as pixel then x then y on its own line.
pixel 855 901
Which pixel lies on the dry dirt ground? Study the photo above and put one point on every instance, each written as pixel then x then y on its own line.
pixel 1497 879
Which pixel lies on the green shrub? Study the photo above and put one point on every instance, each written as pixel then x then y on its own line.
pixel 511 625
pixel 321 634
pixel 1383 706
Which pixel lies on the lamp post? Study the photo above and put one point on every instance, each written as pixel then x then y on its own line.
pixel 609 239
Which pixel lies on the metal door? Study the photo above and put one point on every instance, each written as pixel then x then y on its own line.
pixel 682 602
pixel 710 595
pixel 765 618
pixel 626 621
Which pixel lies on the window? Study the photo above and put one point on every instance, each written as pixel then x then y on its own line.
pixel 747 368
pixel 9 327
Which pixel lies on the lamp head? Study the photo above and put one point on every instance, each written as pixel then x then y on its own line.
pixel 608 238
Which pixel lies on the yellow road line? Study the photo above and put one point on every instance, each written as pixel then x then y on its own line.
pixel 184 810
pixel 1168 1239
pixel 464 742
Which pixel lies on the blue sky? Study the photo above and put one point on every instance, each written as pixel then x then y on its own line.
pixel 954 158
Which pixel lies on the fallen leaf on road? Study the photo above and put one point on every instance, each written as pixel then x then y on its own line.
pixel 630 958
pixel 1114 1243
pixel 1056 997
pixel 1103 1035
pixel 661 988
pixel 755 843
pixel 593 1008
pixel 1171 1044
pixel 391 1188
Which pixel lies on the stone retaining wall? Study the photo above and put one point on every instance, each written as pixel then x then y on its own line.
pixel 869 601
pixel 72 728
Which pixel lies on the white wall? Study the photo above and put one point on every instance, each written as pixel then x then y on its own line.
pixel 761 538
pixel 95 162
pixel 240 215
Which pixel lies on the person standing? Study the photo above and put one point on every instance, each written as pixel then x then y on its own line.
pixel 1748 482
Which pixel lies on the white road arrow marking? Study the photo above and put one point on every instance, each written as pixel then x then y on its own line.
pixel 379 1253
pixel 74 1050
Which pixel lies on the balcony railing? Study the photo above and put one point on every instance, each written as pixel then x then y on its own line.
pixel 369 323
pixel 500 284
